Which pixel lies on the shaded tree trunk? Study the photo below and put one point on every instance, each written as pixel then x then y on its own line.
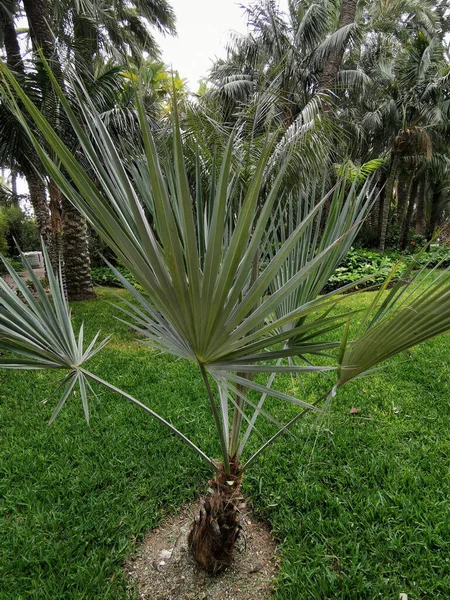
pixel 387 203
pixel 38 199
pixel 56 223
pixel 406 223
pixel 36 186
pixel 333 64
pixel 403 187
pixel 10 41
pixel 380 208
pixel 77 264
pixel 435 212
pixel 75 249
pixel 421 222
pixel 38 16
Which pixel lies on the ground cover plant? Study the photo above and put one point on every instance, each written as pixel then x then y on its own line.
pixel 373 266
pixel 357 500
pixel 206 300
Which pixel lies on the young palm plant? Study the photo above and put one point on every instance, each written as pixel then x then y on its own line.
pixel 206 299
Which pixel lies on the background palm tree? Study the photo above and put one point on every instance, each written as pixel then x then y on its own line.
pixel 66 229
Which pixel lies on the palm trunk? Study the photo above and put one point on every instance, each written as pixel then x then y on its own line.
pixel 333 64
pixel 435 212
pixel 36 186
pixel 380 210
pixel 38 199
pixel 406 223
pixel 77 265
pixel 75 250
pixel 38 17
pixel 56 223
pixel 421 221
pixel 387 203
pixel 402 198
pixel 214 533
pixel 10 41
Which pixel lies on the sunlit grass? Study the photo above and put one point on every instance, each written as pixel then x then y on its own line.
pixel 359 502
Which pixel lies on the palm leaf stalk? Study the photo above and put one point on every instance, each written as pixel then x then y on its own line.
pixel 202 299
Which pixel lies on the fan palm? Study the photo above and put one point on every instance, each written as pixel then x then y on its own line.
pixel 205 299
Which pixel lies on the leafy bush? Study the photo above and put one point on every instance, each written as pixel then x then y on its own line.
pixel 19 229
pixel 105 276
pixel 358 264
pixel 435 257
pixel 15 263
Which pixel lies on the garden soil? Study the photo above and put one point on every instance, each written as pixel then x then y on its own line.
pixel 163 569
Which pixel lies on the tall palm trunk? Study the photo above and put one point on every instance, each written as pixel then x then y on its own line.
pixel 387 203
pixel 77 264
pixel 75 251
pixel 56 223
pixel 421 221
pixel 38 16
pixel 406 223
pixel 333 64
pixel 10 41
pixel 435 211
pixel 38 199
pixel 36 186
pixel 402 197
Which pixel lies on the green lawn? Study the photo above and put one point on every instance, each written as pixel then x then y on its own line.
pixel 359 502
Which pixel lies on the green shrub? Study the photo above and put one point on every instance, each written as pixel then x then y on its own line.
pixel 435 257
pixel 359 264
pixel 14 262
pixel 19 229
pixel 104 276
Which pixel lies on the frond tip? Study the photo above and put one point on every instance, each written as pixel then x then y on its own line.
pixel 37 333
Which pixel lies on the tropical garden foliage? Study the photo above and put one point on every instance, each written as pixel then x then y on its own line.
pixel 233 213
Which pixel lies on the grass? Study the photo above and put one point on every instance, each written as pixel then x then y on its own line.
pixel 358 502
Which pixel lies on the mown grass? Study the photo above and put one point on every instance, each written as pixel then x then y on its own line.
pixel 358 502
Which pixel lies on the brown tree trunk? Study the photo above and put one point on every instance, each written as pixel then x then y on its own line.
pixel 56 223
pixel 421 221
pixel 406 223
pixel 77 264
pixel 10 41
pixel 387 203
pixel 36 186
pixel 214 533
pixel 75 251
pixel 402 197
pixel 435 212
pixel 38 199
pixel 333 64
pixel 38 16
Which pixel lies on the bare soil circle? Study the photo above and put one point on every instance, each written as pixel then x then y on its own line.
pixel 163 569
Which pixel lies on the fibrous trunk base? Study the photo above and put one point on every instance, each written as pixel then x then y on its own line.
pixel 214 532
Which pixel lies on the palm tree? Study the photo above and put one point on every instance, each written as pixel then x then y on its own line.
pixel 400 111
pixel 16 151
pixel 117 28
pixel 93 26
pixel 204 299
pixel 332 65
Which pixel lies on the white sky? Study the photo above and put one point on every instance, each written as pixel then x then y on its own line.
pixel 203 28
